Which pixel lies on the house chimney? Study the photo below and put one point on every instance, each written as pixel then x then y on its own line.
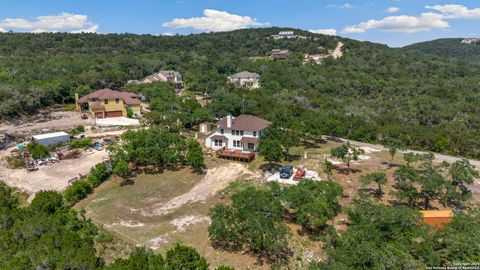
pixel 77 106
pixel 229 120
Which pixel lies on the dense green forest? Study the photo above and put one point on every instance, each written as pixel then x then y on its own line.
pixel 373 93
pixel 450 48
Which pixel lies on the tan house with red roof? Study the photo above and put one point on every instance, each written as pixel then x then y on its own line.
pixel 109 103
pixel 237 133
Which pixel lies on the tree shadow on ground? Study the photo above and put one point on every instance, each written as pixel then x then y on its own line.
pixel 267 167
pixel 308 144
pixel 292 157
pixel 372 192
pixel 390 165
pixel 346 171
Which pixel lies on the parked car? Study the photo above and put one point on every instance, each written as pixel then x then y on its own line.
pixel 286 172
pixel 300 174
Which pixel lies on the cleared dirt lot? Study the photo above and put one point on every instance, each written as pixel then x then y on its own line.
pixel 60 120
pixel 51 177
pixel 159 210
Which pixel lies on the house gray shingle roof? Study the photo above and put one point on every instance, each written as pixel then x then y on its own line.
pixel 245 75
pixel 245 122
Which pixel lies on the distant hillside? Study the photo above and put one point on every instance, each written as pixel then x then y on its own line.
pixel 371 93
pixel 450 48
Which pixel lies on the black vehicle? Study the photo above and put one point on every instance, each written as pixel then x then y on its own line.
pixel 286 172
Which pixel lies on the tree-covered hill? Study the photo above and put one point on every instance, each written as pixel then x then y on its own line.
pixel 372 93
pixel 449 48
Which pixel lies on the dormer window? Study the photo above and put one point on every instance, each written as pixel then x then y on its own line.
pixel 254 134
pixel 117 100
pixel 221 131
pixel 105 101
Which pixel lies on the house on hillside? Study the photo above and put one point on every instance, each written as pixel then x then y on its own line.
pixel 245 79
pixel 471 41
pixel 284 34
pixel 165 76
pixel 279 54
pixel 106 103
pixel 237 135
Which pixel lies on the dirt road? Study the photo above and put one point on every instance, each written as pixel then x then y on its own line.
pixel 215 180
pixel 337 53
pixel 475 187
pixel 438 157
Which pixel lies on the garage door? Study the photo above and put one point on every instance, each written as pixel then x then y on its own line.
pixel 113 114
pixel 99 115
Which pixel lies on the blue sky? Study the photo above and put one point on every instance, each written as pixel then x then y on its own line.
pixel 392 22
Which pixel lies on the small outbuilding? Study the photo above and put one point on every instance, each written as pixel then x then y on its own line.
pixel 206 127
pixel 437 218
pixel 52 138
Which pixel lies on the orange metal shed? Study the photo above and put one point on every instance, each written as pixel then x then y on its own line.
pixel 437 218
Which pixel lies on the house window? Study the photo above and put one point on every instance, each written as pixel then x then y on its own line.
pixel 117 100
pixel 237 144
pixel 94 99
pixel 221 131
pixel 233 132
pixel 218 142
pixel 241 132
pixel 254 134
pixel 236 132
pixel 105 101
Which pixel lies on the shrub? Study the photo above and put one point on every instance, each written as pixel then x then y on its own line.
pixel 37 150
pixel 78 191
pixel 81 143
pixel 15 162
pixel 77 130
pixel 47 202
pixel 6 199
pixel 129 113
pixel 98 175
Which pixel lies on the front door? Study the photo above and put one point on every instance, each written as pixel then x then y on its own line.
pixel 251 147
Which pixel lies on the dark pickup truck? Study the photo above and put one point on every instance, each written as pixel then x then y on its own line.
pixel 286 172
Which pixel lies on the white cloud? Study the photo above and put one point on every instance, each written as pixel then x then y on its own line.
pixel 214 21
pixel 456 11
pixel 403 23
pixel 424 22
pixel 346 6
pixel 330 32
pixel 65 22
pixel 168 34
pixel 392 9
pixel 2 30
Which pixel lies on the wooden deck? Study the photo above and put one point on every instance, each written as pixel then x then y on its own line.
pixel 236 155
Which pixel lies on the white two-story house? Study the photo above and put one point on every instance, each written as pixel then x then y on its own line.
pixel 241 133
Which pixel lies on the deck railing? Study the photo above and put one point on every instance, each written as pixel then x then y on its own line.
pixel 236 155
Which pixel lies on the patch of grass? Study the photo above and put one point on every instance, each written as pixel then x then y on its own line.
pixel 111 204
pixel 236 186
pixel 22 198
pixel 68 107
pixel 15 162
